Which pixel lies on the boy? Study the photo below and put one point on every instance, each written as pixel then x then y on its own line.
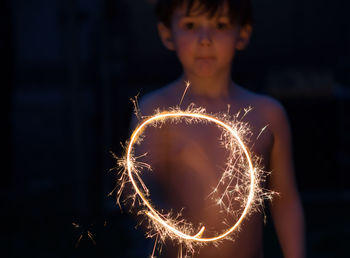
pixel 205 36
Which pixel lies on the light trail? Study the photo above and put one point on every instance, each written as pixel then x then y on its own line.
pixel 152 213
pixel 242 167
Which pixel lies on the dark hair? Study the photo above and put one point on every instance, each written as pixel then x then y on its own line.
pixel 240 11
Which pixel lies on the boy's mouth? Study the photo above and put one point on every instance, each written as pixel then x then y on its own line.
pixel 205 58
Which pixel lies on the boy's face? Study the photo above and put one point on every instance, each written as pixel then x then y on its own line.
pixel 205 46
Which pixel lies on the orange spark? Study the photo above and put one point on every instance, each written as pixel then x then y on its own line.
pixel 234 134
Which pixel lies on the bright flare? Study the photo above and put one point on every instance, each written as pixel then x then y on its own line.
pixel 234 133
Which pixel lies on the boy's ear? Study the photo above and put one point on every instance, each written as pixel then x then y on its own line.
pixel 166 36
pixel 244 37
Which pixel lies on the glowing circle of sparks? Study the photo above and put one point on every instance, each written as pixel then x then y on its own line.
pixel 152 213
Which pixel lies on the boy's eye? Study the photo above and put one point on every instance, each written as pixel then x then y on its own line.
pixel 222 25
pixel 189 25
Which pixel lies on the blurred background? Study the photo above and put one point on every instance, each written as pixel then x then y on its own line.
pixel 68 71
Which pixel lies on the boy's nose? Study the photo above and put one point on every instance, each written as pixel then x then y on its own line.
pixel 204 37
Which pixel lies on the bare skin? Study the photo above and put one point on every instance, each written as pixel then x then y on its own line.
pixel 188 160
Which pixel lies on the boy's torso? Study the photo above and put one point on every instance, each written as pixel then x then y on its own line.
pixel 188 162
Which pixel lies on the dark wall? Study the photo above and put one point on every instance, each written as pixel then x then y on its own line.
pixel 69 70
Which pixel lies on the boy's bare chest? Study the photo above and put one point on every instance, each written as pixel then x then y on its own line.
pixel 203 143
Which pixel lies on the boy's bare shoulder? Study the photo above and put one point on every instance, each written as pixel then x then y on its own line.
pixel 269 108
pixel 161 98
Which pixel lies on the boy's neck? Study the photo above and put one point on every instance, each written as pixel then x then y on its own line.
pixel 220 87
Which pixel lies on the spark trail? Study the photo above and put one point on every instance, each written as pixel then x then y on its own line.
pixel 241 167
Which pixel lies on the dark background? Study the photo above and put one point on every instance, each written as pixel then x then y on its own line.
pixel 68 70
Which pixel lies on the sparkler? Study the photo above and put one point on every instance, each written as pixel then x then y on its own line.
pixel 241 166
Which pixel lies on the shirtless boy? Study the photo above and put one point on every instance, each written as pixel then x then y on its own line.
pixel 205 36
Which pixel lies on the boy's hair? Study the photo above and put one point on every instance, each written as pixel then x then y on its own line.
pixel 240 11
